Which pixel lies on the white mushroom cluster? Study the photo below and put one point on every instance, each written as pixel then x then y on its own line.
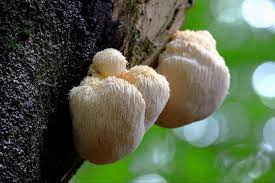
pixel 113 107
pixel 197 75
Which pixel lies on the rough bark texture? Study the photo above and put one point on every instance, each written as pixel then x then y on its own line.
pixel 46 47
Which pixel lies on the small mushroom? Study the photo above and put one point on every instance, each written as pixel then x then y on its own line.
pixel 198 78
pixel 154 89
pixel 107 112
pixel 109 62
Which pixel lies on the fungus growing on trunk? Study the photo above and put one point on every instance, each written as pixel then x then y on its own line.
pixel 198 78
pixel 112 108
pixel 154 89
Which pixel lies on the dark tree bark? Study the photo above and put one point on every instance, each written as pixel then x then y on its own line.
pixel 46 47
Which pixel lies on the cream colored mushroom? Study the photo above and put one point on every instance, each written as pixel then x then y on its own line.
pixel 109 110
pixel 108 119
pixel 154 89
pixel 109 62
pixel 198 78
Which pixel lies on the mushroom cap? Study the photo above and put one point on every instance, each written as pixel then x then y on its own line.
pixel 108 62
pixel 108 119
pixel 201 37
pixel 154 89
pixel 198 78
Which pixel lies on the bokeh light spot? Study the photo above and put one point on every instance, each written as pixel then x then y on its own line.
pixel 149 178
pixel 234 121
pixel 249 169
pixel 269 132
pixel 157 153
pixel 226 11
pixel 263 81
pixel 268 86
pixel 267 148
pixel 259 13
pixel 200 134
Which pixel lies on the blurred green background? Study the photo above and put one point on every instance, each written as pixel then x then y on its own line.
pixel 237 143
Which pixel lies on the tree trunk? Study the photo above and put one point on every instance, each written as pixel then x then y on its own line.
pixel 46 47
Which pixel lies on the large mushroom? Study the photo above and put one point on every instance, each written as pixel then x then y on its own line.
pixel 198 78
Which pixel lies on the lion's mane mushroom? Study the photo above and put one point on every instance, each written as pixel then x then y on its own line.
pixel 154 89
pixel 109 62
pixel 109 110
pixel 198 78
